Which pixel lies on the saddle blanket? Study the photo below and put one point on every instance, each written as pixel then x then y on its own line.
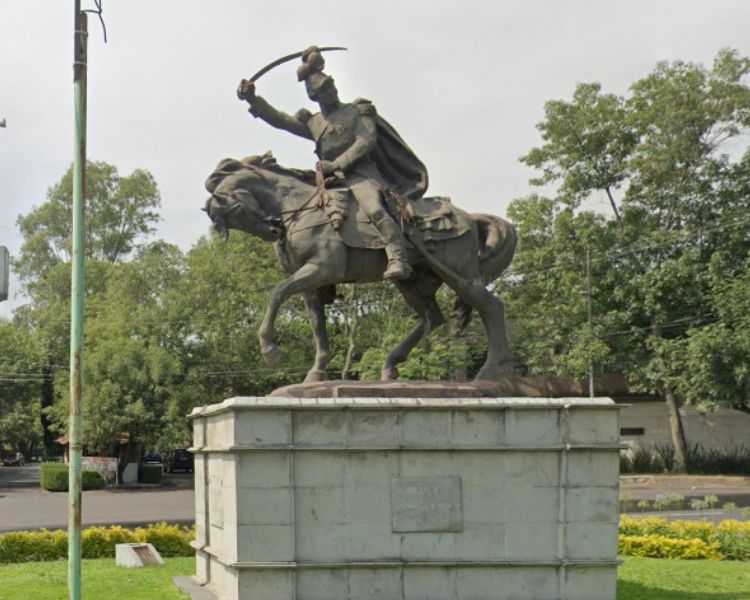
pixel 435 219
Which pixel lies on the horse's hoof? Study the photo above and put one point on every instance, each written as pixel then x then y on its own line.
pixel 315 375
pixel 389 374
pixel 272 355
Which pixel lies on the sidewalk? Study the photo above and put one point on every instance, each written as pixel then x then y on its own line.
pixel 727 488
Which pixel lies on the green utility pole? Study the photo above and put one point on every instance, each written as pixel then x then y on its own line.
pixel 4 272
pixel 75 426
pixel 591 321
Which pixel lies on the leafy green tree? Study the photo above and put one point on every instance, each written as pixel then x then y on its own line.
pixel 121 211
pixel 587 145
pixel 224 294
pixel 133 360
pixel 682 199
pixel 20 384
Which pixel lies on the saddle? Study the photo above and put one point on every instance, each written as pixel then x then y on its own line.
pixel 434 219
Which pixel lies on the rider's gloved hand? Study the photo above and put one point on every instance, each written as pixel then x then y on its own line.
pixel 246 90
pixel 329 167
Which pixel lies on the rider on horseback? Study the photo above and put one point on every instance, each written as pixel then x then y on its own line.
pixel 356 145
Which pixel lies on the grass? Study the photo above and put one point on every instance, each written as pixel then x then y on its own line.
pixel 102 580
pixel 664 579
pixel 639 579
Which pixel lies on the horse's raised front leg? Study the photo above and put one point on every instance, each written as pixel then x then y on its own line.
pixel 306 278
pixel 315 303
pixel 420 295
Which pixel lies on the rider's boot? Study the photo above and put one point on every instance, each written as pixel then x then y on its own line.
pixel 398 264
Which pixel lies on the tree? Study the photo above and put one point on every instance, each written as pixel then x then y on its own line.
pixel 121 212
pixel 587 144
pixel 681 201
pixel 224 295
pixel 20 383
pixel 133 363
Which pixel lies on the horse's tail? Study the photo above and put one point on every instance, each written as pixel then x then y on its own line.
pixel 497 245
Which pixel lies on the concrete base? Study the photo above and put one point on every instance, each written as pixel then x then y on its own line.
pixel 407 498
pixel 191 587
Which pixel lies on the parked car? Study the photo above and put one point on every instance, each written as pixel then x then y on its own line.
pixel 178 459
pixel 152 459
pixel 15 460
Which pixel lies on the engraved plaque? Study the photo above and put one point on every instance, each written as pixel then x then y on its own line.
pixel 426 504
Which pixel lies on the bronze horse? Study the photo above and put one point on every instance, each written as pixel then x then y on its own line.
pixel 264 199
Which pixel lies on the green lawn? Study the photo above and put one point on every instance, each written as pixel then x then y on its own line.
pixel 663 579
pixel 102 580
pixel 639 579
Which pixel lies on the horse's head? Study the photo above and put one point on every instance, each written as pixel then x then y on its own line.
pixel 240 210
pixel 234 204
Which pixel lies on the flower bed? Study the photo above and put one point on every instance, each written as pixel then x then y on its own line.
pixel 96 542
pixel 655 537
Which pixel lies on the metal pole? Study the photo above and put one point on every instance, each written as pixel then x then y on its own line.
pixel 75 435
pixel 591 324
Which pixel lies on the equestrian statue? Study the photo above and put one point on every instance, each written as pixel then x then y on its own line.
pixel 361 216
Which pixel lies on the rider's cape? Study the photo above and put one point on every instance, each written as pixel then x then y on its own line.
pixel 402 171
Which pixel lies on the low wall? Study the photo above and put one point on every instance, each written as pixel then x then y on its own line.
pixel 397 498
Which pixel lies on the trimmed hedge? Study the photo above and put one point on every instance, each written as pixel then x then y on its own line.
pixel 659 546
pixel 96 542
pixel 151 473
pixel 55 478
pixel 729 539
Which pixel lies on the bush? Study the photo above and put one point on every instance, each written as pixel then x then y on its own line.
pixel 32 546
pixel 151 473
pixel 169 540
pixel 660 459
pixel 657 546
pixel 92 480
pixel 732 538
pixel 669 501
pixel 96 542
pixel 54 477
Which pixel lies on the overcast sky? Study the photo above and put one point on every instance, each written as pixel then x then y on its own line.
pixel 464 82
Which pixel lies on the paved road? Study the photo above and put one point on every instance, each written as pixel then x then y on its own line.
pixel 25 505
pixel 714 516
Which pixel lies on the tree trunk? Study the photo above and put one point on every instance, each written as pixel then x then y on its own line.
pixel 47 400
pixel 614 207
pixel 673 407
pixel 676 428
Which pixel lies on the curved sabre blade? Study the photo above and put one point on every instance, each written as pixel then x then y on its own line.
pixel 287 58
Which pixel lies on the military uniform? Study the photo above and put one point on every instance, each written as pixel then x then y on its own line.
pixel 348 138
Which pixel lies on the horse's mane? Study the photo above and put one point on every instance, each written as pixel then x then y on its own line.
pixel 266 162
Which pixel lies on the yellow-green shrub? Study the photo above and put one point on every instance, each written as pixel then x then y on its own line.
pixel 96 542
pixel 731 537
pixel 26 546
pixel 659 546
pixel 169 540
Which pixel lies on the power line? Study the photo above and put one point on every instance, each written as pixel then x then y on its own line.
pixel 685 235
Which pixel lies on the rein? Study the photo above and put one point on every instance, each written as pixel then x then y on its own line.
pixel 295 211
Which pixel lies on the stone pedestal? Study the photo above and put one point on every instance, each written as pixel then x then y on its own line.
pixel 407 498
